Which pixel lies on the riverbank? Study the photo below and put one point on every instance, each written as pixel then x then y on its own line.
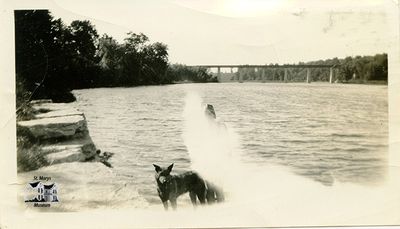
pixel 369 82
pixel 55 147
pixel 56 133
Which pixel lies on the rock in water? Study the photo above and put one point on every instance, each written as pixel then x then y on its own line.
pixel 70 151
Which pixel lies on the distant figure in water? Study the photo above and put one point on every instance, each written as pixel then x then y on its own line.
pixel 210 112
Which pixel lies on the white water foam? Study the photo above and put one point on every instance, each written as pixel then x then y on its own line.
pixel 212 146
pixel 272 193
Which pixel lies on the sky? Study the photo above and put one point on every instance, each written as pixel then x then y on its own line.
pixel 244 31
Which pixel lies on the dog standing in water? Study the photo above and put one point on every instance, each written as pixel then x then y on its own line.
pixel 170 187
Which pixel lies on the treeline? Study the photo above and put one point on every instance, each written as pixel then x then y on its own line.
pixel 359 69
pixel 53 58
pixel 355 69
pixel 183 73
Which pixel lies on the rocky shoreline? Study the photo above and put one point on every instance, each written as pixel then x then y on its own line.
pixel 60 130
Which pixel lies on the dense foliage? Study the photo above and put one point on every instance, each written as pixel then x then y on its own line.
pixel 53 58
pixel 180 72
pixel 354 69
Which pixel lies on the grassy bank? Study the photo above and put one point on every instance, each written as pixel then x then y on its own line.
pixel 30 156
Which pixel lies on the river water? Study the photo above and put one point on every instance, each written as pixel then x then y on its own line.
pixel 324 133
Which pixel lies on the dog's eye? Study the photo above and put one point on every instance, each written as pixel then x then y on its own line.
pixel 162 179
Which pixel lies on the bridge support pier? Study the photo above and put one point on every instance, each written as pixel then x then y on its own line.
pixel 263 75
pixel 308 76
pixel 330 75
pixel 240 75
pixel 219 74
pixel 285 77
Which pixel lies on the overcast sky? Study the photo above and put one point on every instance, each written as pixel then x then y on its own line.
pixel 243 31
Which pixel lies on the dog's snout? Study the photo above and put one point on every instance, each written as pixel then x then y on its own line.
pixel 162 179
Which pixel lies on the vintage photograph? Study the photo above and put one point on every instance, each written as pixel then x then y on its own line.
pixel 212 113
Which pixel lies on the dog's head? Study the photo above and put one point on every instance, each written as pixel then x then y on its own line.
pixel 163 175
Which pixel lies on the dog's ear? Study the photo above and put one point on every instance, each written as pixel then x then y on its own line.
pixel 170 167
pixel 158 168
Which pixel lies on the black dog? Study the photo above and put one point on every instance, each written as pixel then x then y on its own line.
pixel 170 187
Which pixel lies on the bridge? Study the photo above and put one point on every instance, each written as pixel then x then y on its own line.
pixel 240 70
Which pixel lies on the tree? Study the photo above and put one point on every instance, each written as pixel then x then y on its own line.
pixel 84 39
pixel 155 63
pixel 82 44
pixel 32 32
pixel 132 59
pixel 380 67
pixel 38 59
pixel 346 69
pixel 143 63
pixel 109 53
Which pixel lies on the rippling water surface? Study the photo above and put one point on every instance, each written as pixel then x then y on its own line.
pixel 327 133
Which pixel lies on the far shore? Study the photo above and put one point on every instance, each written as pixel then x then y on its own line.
pixel 375 82
pixel 382 83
